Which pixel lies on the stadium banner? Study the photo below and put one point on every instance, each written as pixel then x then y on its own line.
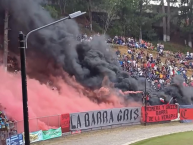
pixel 51 133
pixel 186 113
pixel 101 118
pixel 160 113
pixel 15 140
pixel 65 122
pixel 34 136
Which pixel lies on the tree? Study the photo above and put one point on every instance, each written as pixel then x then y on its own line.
pixel 52 10
pixel 62 4
pixel 140 25
pixel 186 20
pixel 164 21
pixel 168 20
pixel 6 39
pixel 90 13
pixel 109 9
pixel 137 18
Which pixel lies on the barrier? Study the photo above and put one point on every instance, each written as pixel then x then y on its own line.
pixel 41 123
pixel 40 135
pixel 65 122
pixel 34 136
pixel 52 133
pixel 15 140
pixel 102 118
pixel 160 113
pixel 186 113
pixel 93 120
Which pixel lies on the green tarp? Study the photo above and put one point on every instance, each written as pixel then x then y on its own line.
pixel 52 133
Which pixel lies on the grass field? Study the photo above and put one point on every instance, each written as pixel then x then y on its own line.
pixel 185 138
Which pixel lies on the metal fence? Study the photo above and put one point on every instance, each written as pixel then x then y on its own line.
pixel 42 123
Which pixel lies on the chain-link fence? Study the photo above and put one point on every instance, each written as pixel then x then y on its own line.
pixel 42 123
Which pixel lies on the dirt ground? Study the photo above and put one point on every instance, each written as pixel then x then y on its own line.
pixel 119 136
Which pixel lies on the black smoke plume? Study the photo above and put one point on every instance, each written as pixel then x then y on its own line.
pixel 88 62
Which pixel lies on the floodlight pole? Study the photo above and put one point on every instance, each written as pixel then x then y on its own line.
pixel 24 87
pixel 23 46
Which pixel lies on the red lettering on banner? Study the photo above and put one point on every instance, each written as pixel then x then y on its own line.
pixel 65 122
pixel 186 114
pixel 160 113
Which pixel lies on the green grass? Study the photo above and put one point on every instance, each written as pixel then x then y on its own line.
pixel 175 47
pixel 185 138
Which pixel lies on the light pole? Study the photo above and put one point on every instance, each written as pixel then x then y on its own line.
pixel 23 45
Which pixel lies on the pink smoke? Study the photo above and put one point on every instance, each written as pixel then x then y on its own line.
pixel 42 100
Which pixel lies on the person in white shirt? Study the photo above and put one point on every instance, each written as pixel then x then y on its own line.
pixel 155 67
pixel 161 51
pixel 161 81
pixel 140 73
pixel 171 73
pixel 134 63
pixel 191 78
pixel 171 68
pixel 191 54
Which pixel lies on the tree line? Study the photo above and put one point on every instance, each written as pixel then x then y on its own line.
pixel 137 18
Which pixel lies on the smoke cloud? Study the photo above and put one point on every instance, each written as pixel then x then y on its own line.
pixel 55 55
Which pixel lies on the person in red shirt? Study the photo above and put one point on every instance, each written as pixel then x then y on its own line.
pixel 152 65
pixel 145 65
pixel 173 73
pixel 147 99
pixel 163 100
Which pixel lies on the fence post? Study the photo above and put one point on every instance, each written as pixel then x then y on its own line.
pixel 59 120
pixel 37 124
pixel 48 123
pixel 16 126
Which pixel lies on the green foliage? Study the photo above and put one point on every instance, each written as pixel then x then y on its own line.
pixel 97 28
pixel 186 15
pixel 133 15
pixel 115 29
pixel 76 5
pixel 127 17
pixel 52 10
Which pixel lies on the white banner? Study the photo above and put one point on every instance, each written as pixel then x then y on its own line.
pixel 101 118
pixel 34 136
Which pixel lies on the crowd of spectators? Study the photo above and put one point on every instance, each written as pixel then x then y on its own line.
pixel 137 62
pixel 7 126
pixel 130 42
pixel 86 38
pixel 158 69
